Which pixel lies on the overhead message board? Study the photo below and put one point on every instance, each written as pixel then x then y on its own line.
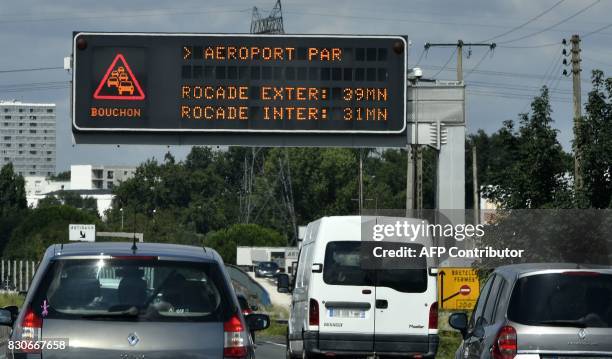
pixel 247 85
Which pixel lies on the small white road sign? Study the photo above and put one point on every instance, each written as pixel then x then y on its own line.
pixel 82 232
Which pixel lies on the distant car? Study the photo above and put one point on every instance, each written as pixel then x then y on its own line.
pixel 126 86
pixel 266 269
pixel 170 301
pixel 112 82
pixel 540 311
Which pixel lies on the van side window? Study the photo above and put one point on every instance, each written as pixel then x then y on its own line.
pixel 303 275
pixel 482 299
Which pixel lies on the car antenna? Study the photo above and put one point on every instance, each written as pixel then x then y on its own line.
pixel 134 247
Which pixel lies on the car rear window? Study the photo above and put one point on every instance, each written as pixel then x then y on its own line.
pixel 582 299
pixel 268 265
pixel 343 266
pixel 151 290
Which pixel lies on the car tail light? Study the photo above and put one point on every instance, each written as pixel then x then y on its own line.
pixel 505 345
pixel 433 316
pixel 313 312
pixel 29 330
pixel 235 338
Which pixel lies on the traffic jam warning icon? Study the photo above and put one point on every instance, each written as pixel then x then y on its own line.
pixel 119 83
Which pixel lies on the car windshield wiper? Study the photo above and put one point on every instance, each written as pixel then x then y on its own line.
pixel 131 312
pixel 564 323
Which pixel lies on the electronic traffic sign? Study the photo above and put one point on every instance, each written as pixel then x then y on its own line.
pixel 247 85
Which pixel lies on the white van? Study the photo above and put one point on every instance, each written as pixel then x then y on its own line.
pixel 341 309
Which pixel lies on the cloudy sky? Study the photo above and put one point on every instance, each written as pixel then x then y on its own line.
pixel 37 34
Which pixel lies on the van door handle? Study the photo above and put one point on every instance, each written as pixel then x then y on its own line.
pixel 382 304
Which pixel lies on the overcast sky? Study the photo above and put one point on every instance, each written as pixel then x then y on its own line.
pixel 36 34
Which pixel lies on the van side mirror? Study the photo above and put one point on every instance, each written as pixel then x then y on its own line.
pixel 459 321
pixel 257 321
pixel 283 283
pixel 6 318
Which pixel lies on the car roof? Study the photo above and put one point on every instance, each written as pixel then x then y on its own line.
pixel 143 249
pixel 517 270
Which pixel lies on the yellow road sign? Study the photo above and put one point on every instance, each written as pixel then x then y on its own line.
pixel 458 288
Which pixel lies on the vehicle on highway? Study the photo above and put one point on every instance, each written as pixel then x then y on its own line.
pixel 527 311
pixel 112 300
pixel 267 269
pixel 342 307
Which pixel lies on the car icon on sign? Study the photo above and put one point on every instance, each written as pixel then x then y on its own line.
pixel 126 86
pixel 112 81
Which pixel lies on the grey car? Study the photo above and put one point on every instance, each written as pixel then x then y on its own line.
pixel 107 300
pixel 540 311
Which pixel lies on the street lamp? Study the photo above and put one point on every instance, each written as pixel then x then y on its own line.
pixel 121 210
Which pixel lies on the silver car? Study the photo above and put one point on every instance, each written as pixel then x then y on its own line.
pixel 106 300
pixel 540 311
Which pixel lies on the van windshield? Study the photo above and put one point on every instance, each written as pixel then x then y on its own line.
pixel 143 289
pixel 343 266
pixel 578 299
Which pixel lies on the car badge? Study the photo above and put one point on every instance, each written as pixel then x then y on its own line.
pixel 133 339
pixel 582 334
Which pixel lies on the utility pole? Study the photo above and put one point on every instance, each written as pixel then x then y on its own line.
pixel 360 181
pixel 475 186
pixel 577 109
pixel 459 45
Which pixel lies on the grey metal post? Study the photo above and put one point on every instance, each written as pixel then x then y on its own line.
pixel 15 273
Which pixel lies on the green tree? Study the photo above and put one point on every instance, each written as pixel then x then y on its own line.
pixel 42 227
pixel 535 173
pixel 68 198
pixel 13 204
pixel 225 241
pixel 594 138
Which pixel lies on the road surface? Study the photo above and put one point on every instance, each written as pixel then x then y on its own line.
pixel 269 349
pixel 269 284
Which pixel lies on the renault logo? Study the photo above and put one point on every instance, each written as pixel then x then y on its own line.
pixel 582 334
pixel 133 339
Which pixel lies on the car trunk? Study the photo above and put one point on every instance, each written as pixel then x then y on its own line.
pixel 563 313
pixel 109 339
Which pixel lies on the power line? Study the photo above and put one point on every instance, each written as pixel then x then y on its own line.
pixel 597 30
pixel 31 69
pixel 123 15
pixel 420 57
pixel 477 65
pixel 525 23
pixel 553 25
pixel 446 64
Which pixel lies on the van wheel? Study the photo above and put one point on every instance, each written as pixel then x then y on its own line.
pixel 307 355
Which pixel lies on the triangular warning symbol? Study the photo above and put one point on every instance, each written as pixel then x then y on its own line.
pixel 119 83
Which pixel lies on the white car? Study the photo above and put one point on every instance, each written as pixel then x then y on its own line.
pixel 343 307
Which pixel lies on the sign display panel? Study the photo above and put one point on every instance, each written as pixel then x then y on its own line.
pixel 240 84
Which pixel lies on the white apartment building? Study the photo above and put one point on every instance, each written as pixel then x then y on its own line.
pixel 85 180
pixel 27 137
pixel 99 177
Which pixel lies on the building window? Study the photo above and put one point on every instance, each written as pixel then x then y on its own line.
pixel 8 117
pixel 110 175
pixel 109 185
pixel 32 131
pixel 32 152
pixel 7 138
pixel 7 159
pixel 49 152
pixel 49 110
pixel 32 124
pixel 32 145
pixel 49 159
pixel 20 110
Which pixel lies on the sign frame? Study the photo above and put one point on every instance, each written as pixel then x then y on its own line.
pixel 187 131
